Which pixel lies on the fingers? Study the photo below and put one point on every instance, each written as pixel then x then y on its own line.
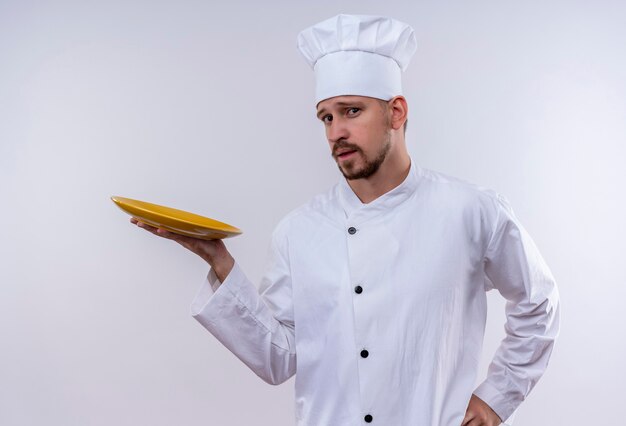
pixel 469 416
pixel 476 419
pixel 206 249
pixel 187 242
pixel 143 225
pixel 471 419
pixel 156 231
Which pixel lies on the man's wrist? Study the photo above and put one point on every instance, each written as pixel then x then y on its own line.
pixel 222 267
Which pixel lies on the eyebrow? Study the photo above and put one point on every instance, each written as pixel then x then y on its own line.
pixel 341 104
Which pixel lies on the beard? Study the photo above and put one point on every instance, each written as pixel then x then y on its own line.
pixel 349 169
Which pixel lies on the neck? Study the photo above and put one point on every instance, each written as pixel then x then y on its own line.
pixel 391 173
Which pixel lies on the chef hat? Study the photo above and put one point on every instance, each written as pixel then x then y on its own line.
pixel 358 55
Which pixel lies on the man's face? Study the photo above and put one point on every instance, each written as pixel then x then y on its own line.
pixel 358 132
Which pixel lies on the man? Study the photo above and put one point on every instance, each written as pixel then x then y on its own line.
pixel 377 287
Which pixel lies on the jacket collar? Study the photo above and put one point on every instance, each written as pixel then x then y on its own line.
pixel 358 212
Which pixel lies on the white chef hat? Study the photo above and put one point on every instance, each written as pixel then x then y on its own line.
pixel 358 55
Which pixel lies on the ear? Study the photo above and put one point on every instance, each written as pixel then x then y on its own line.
pixel 399 111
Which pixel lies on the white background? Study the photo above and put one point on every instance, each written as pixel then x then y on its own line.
pixel 209 108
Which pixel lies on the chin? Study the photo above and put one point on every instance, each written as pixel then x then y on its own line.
pixel 353 173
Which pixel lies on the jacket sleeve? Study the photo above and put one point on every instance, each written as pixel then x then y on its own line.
pixel 255 325
pixel 514 266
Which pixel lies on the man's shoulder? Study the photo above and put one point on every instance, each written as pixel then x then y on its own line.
pixel 321 207
pixel 452 188
pixel 456 196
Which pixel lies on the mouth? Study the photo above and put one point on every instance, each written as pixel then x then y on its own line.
pixel 346 154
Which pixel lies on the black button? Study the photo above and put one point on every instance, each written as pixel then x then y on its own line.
pixel 368 418
pixel 358 289
pixel 364 353
pixel 352 230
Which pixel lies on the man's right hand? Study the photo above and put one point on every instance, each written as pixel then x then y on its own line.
pixel 214 252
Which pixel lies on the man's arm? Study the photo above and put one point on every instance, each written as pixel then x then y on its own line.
pixel 514 266
pixel 257 328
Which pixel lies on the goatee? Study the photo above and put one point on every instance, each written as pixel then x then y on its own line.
pixel 369 168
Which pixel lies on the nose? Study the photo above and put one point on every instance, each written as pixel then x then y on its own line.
pixel 337 130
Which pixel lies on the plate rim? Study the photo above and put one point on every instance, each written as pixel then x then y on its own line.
pixel 118 201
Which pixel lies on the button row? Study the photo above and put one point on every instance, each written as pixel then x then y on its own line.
pixel 364 353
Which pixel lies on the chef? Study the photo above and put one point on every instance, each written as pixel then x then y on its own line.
pixel 374 294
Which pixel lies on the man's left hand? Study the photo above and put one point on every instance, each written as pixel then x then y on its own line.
pixel 478 413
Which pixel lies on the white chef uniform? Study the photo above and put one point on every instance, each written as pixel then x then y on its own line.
pixel 379 309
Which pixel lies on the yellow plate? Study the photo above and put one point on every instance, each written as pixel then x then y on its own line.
pixel 178 221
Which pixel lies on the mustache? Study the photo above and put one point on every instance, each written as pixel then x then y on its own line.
pixel 344 145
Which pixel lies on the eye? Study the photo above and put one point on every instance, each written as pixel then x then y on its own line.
pixel 353 110
pixel 327 118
